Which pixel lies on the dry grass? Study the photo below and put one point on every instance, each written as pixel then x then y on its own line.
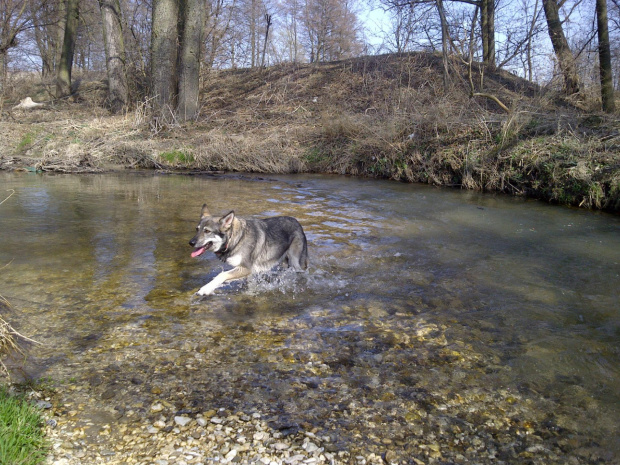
pixel 8 340
pixel 385 116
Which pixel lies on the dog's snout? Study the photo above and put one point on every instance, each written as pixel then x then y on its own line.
pixel 192 242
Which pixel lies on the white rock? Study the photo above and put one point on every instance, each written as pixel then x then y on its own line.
pixel 311 447
pixel 182 421
pixel 157 407
pixel 231 455
pixel 294 459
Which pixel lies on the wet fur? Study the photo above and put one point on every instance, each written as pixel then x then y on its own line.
pixel 250 245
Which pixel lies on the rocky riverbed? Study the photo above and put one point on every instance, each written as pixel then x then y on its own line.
pixel 209 437
pixel 418 400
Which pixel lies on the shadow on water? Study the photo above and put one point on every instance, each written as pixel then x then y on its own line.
pixel 425 314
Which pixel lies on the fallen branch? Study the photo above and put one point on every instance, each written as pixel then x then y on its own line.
pixel 492 97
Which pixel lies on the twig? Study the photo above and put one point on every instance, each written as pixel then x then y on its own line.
pixel 12 192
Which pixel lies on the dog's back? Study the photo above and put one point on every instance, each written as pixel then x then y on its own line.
pixel 270 241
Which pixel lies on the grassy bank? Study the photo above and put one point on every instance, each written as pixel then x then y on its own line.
pixel 385 116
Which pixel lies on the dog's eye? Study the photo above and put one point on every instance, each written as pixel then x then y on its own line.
pixel 206 230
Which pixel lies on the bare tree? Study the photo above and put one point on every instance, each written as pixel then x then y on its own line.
pixel 604 53
pixel 177 29
pixel 487 25
pixel 189 72
pixel 267 26
pixel 48 30
pixel 63 76
pixel 444 42
pixel 137 21
pixel 529 42
pixel 164 54
pixel 115 54
pixel 13 21
pixel 218 19
pixel 292 13
pixel 331 29
pixel 563 53
pixel 486 9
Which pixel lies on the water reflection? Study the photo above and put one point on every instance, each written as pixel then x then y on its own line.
pixel 420 305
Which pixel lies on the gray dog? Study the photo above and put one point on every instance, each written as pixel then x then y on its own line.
pixel 249 245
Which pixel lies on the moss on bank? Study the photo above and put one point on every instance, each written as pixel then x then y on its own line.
pixel 384 116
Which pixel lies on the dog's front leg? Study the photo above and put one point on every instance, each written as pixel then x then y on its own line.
pixel 236 273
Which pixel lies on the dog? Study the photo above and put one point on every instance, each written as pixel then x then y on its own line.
pixel 249 245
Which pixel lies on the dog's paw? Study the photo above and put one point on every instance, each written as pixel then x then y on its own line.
pixel 205 290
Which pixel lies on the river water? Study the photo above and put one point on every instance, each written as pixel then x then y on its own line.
pixel 431 321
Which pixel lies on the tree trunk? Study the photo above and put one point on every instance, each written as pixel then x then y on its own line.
pixel 267 26
pixel 444 43
pixel 115 54
pixel 60 33
pixel 487 27
pixel 253 32
pixel 604 55
pixel 189 77
pixel 565 58
pixel 2 72
pixel 530 37
pixel 164 53
pixel 63 77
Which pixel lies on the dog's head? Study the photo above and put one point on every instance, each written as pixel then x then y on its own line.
pixel 211 233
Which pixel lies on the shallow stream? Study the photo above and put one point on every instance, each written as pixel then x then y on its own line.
pixel 438 324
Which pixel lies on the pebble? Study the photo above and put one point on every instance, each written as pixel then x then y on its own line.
pixel 43 404
pixel 182 421
pixel 157 407
pixel 159 424
pixel 311 447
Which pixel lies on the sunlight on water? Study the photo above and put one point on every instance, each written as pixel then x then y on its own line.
pixel 419 304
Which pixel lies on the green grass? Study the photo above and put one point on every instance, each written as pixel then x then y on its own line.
pixel 177 156
pixel 26 141
pixel 22 440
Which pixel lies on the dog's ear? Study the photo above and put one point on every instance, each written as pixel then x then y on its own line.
pixel 205 211
pixel 226 221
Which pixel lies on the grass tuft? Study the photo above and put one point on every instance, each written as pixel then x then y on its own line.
pixel 22 439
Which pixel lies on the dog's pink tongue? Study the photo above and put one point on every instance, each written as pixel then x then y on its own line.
pixel 199 251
